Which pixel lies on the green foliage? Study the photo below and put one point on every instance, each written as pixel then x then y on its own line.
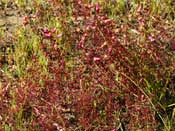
pixel 26 46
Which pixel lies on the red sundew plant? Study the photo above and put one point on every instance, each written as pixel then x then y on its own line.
pixel 99 73
pixel 99 50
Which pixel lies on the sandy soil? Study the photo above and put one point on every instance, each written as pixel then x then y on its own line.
pixel 10 16
pixel 10 20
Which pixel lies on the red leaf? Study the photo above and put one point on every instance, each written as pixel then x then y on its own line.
pixel 173 46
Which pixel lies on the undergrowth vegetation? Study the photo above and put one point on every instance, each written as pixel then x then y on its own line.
pixel 89 65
